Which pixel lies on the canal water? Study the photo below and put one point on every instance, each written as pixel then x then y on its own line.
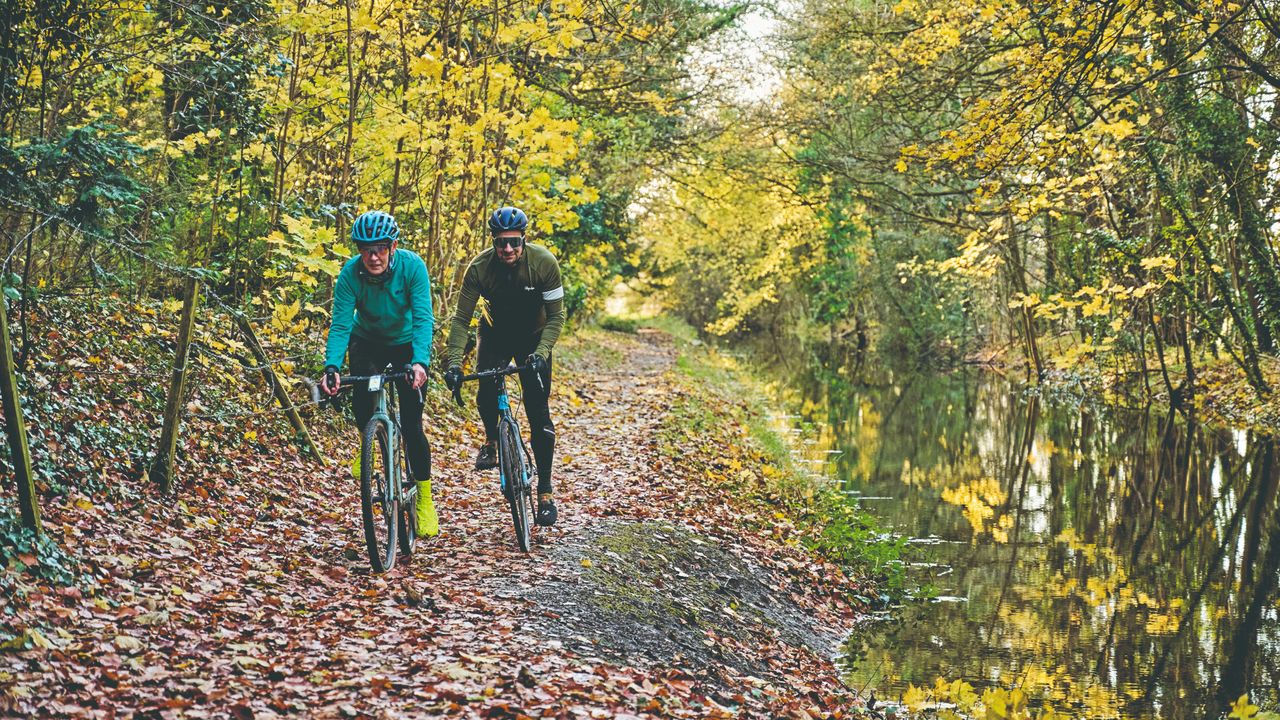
pixel 1116 564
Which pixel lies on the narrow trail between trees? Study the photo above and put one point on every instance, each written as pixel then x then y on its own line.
pixel 659 594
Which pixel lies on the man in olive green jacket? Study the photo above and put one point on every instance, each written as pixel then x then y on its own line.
pixel 521 286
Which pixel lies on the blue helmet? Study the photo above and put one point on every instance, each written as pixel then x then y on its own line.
pixel 375 226
pixel 507 218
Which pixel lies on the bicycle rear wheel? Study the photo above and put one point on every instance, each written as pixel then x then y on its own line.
pixel 530 492
pixel 379 496
pixel 511 464
pixel 408 530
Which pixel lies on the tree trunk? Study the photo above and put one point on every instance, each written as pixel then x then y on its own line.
pixel 277 389
pixel 16 428
pixel 162 469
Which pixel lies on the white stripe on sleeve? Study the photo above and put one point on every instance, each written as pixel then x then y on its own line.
pixel 555 294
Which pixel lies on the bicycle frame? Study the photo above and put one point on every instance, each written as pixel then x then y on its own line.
pixel 396 494
pixel 387 409
pixel 384 385
pixel 517 491
pixel 386 403
pixel 505 415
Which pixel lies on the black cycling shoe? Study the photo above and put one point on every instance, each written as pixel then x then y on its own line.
pixel 487 458
pixel 546 511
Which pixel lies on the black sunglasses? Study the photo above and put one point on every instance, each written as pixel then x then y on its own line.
pixel 511 242
pixel 374 248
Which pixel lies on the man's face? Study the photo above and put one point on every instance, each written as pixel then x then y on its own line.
pixel 509 244
pixel 376 256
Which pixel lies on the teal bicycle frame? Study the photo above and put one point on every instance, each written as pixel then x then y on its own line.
pixel 505 416
pixel 515 463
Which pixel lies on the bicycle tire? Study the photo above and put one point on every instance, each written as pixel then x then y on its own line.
pixel 408 530
pixel 530 491
pixel 511 465
pixel 379 498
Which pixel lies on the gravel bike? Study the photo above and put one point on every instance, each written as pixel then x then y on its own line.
pixel 388 498
pixel 515 463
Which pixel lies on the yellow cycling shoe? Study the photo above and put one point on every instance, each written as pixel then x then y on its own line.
pixel 428 523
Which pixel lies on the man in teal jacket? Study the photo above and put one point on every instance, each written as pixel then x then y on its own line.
pixel 382 314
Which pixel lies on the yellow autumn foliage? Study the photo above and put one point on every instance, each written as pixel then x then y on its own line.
pixel 737 240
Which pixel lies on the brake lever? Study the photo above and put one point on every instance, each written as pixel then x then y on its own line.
pixel 541 386
pixel 318 397
pixel 408 380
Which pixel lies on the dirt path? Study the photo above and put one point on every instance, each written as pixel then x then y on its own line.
pixel 647 599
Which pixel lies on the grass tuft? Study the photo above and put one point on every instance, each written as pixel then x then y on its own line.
pixel 724 399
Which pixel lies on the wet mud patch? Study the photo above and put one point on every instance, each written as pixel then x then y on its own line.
pixel 656 593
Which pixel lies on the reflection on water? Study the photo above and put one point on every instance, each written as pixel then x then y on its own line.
pixel 1118 564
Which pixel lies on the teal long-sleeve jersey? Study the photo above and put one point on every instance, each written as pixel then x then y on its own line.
pixel 392 308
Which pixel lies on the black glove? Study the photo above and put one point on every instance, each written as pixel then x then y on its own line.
pixel 453 378
pixel 537 364
pixel 330 383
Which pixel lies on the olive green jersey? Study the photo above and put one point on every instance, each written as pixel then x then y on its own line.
pixel 523 299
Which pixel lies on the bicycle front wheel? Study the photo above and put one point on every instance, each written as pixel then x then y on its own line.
pixel 514 474
pixel 379 496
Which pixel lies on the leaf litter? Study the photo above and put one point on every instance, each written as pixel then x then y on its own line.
pixel 659 594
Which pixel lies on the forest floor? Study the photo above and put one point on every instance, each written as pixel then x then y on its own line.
pixel 669 588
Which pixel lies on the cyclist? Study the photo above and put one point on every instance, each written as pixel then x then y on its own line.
pixel 382 314
pixel 520 283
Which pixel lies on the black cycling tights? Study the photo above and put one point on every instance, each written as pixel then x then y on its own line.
pixel 368 358
pixel 494 353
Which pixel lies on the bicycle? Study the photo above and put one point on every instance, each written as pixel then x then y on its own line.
pixel 514 460
pixel 388 500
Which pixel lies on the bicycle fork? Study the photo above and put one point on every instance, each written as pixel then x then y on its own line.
pixel 504 416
